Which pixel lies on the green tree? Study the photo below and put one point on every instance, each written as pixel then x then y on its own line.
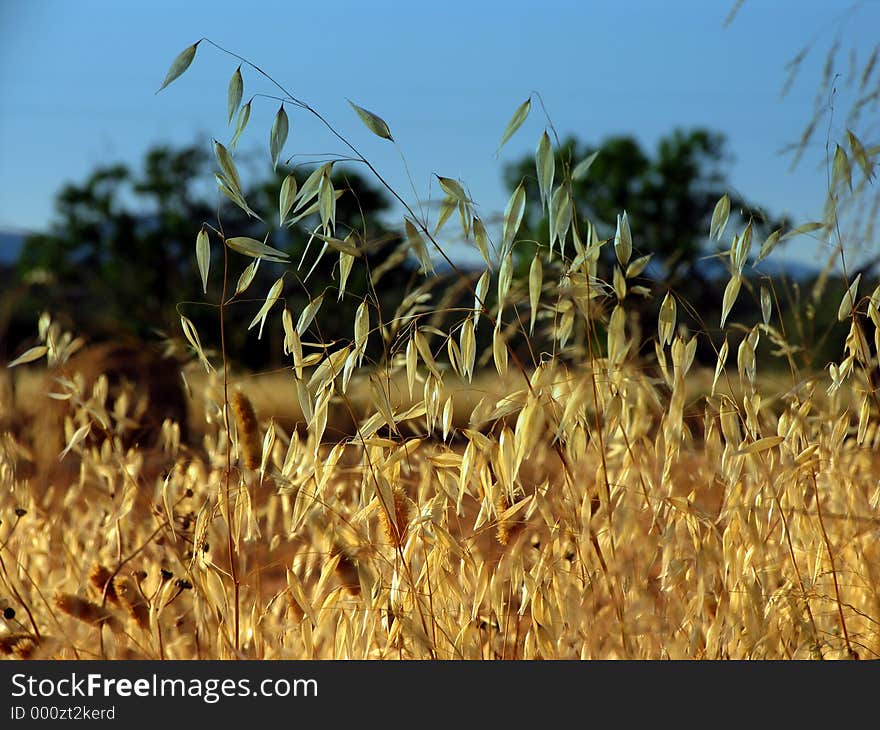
pixel 119 256
pixel 668 196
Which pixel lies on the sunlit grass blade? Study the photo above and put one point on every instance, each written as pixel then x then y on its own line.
pixel 519 116
pixel 373 122
pixel 180 64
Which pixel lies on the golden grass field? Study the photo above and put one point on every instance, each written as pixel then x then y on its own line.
pixel 394 494
pixel 667 523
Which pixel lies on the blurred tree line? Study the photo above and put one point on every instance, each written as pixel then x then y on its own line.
pixel 669 195
pixel 119 256
pixel 119 259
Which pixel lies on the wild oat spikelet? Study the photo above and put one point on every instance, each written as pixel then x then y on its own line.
pixel 396 532
pixel 86 611
pixel 347 570
pixel 21 643
pixel 100 577
pixel 504 526
pixel 133 602
pixel 248 430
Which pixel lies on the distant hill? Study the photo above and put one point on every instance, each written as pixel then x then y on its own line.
pixel 797 270
pixel 10 244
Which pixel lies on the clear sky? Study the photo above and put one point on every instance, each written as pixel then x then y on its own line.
pixel 78 79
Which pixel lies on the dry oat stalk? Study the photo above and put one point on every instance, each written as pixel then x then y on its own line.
pixel 21 644
pixel 395 530
pixel 86 611
pixel 101 577
pixel 248 430
pixel 133 602
pixel 503 531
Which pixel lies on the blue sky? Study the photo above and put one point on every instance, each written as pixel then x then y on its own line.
pixel 78 81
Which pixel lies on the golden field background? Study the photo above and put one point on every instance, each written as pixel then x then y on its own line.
pixel 752 536
pixel 535 459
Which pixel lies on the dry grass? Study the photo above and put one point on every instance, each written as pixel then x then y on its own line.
pixel 507 545
pixel 583 503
